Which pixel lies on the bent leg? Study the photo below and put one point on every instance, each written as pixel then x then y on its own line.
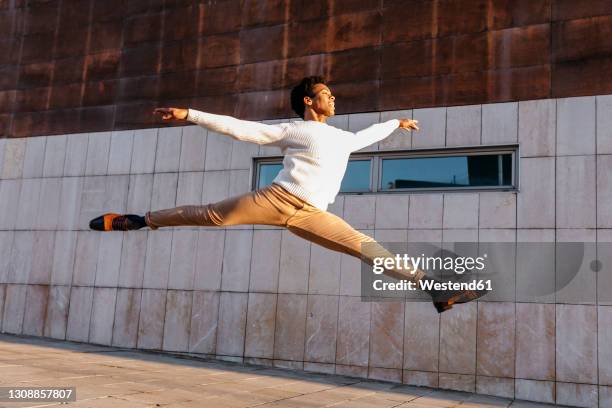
pixel 332 232
pixel 256 207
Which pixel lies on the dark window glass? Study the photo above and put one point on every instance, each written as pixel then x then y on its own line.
pixel 490 170
pixel 267 172
pixel 356 178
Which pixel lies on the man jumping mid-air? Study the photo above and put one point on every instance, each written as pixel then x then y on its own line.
pixel 315 159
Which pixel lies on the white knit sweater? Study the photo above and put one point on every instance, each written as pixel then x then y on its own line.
pixel 315 154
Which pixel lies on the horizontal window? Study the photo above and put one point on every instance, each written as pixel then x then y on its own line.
pixel 482 168
pixel 357 178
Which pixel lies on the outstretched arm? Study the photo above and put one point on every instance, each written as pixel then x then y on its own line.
pixel 244 130
pixel 379 131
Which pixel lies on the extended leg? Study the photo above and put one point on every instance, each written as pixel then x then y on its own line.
pixel 266 206
pixel 332 232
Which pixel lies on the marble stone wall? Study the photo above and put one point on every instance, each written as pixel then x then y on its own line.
pixel 261 295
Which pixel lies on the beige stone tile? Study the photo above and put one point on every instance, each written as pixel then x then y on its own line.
pixel 57 312
pixel 133 258
pixel 151 319
pixel 461 210
pixel 575 192
pixel 290 327
pixel 98 148
pixel 183 259
pixel 14 152
pixel 75 154
pixel 577 395
pixel 321 329
pixel 237 260
pixel 265 261
pixel 457 382
pixel 324 276
pixel 260 325
pixel 20 261
pixel 386 334
pixel 360 211
pixel 189 189
pixel 576 351
pixel 231 326
pixel 536 128
pixel 204 315
pixel 127 310
pixel 604 339
pixel 353 341
pixel 35 306
pixel 385 374
pixel 399 138
pixel 163 194
pixel 157 263
pixel 178 319
pixel 10 191
pixel 193 148
pixel 497 210
pixel 218 151
pixel 574 279
pixel 420 378
pixel 534 390
pixel 209 260
pixel 432 124
pixel 323 368
pixel 168 149
pixel 421 337
pixel 496 339
pixel 392 211
pixel 79 315
pixel 536 187
pixel 425 211
pixel 55 155
pixel 120 152
pixel 143 155
pixel 535 341
pixel 49 205
pixel 109 259
pixel 463 126
pixel 458 340
pixel 604 191
pixel 500 123
pixel 294 264
pixel 86 258
pixel 42 258
pixel 102 316
pixel 499 387
pixel 569 139
pixel 605 397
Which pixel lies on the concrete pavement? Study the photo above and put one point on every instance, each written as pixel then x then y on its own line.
pixel 112 377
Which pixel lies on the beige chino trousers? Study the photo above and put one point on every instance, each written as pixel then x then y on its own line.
pixel 273 205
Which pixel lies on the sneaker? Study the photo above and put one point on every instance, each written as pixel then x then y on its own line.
pixel 445 301
pixel 117 222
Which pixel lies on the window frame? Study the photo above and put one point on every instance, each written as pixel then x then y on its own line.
pixel 376 161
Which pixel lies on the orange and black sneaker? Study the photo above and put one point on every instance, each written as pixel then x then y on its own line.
pixel 117 222
pixel 445 301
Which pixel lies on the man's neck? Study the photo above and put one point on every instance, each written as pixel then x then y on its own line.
pixel 309 114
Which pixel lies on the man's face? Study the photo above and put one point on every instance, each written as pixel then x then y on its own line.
pixel 323 101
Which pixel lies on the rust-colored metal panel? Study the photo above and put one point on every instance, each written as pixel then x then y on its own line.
pixel 582 39
pixel 106 65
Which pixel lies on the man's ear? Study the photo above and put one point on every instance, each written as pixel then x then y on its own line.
pixel 307 100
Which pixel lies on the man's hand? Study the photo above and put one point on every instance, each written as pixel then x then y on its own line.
pixel 171 113
pixel 408 124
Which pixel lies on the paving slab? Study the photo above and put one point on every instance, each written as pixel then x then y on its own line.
pixel 115 377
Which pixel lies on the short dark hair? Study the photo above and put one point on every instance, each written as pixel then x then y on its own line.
pixel 303 89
